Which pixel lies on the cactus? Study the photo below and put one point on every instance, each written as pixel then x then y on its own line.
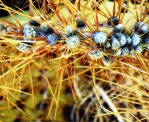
pixel 82 60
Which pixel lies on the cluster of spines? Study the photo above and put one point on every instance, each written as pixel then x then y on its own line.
pixel 115 43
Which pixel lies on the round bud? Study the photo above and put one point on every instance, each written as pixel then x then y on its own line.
pixel 121 38
pixel 118 28
pixel 141 27
pixel 139 48
pixel 125 51
pixel 113 21
pixel 100 37
pixel 146 38
pixel 52 39
pixel 95 54
pixel 117 52
pixel 128 40
pixel 23 47
pixel 115 44
pixel 124 5
pixel 135 40
pixel 80 24
pixel 73 41
pixel 69 29
pixel 45 30
pixel 29 31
